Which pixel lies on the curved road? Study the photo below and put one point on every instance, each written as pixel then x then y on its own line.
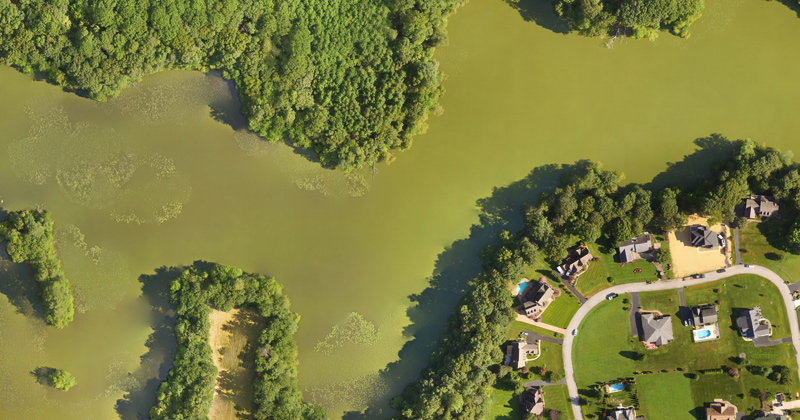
pixel 584 309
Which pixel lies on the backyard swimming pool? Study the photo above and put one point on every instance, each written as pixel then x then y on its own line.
pixel 707 333
pixel 703 334
pixel 616 387
pixel 522 286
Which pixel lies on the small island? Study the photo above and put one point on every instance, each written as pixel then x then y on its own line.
pixel 61 379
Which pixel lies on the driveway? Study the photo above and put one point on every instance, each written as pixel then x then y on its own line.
pixel 584 309
pixel 635 306
pixel 766 341
pixel 738 252
pixel 543 383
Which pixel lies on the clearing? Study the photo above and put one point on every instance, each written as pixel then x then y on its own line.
pixel 233 335
pixel 688 260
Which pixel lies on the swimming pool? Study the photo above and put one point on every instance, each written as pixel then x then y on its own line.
pixel 616 387
pixel 522 286
pixel 703 334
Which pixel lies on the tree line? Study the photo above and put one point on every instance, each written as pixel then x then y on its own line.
pixel 189 389
pixel 589 204
pixel 352 80
pixel 29 238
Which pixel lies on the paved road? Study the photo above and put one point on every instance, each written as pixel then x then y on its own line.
pixel 635 306
pixel 584 309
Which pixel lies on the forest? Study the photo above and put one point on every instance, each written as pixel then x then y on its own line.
pixel 588 204
pixel 29 238
pixel 189 389
pixel 353 81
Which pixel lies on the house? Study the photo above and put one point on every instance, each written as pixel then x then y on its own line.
pixel 760 206
pixel 630 250
pixel 532 401
pixel 703 237
pixel 721 410
pixel 657 331
pixel 536 297
pixel 704 315
pixel 622 413
pixel 752 324
pixel 577 260
pixel 518 351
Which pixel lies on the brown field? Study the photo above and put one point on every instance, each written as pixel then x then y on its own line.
pixel 688 260
pixel 233 339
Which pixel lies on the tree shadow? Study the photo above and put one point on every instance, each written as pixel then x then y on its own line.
pixel 455 267
pixel 541 12
pixel 227 109
pixel 18 284
pixel 42 375
pixel 695 166
pixel 155 364
pixel 792 4
pixel 776 231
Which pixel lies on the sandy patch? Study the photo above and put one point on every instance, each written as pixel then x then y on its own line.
pixel 688 260
pixel 233 340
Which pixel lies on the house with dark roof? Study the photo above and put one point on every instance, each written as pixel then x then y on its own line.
pixel 752 324
pixel 517 352
pixel 577 260
pixel 704 315
pixel 721 410
pixel 703 237
pixel 630 250
pixel 532 401
pixel 760 206
pixel 622 413
pixel 536 297
pixel 656 331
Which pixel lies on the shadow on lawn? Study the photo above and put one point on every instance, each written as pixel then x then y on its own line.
pixel 455 267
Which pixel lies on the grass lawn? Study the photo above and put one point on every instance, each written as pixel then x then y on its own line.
pixel 665 396
pixel 506 406
pixel 561 310
pixel 557 398
pixel 678 352
pixel 756 248
pixel 603 340
pixel 517 327
pixel 551 356
pixel 595 279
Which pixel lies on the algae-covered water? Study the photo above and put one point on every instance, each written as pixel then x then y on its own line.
pixel 166 175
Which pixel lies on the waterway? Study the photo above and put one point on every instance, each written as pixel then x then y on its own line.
pixel 164 175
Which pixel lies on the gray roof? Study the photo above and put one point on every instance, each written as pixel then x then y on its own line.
pixel 657 331
pixel 640 244
pixel 750 324
pixel 537 293
pixel 532 401
pixel 760 205
pixel 521 349
pixel 620 413
pixel 702 236
pixel 704 315
pixel 577 258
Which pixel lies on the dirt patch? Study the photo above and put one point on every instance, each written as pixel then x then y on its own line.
pixel 688 260
pixel 233 341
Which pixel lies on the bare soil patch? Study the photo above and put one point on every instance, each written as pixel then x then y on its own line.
pixel 688 260
pixel 234 338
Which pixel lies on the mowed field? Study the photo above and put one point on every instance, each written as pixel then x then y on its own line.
pixel 234 336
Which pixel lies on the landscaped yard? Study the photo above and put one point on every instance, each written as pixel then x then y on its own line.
pixel 756 249
pixel 507 407
pixel 561 310
pixel 665 396
pixel 595 279
pixel 551 355
pixel 604 351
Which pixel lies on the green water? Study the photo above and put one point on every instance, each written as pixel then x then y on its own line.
pixel 151 179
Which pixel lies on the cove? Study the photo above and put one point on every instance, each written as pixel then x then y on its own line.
pixel 351 252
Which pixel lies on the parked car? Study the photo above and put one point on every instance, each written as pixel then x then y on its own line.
pixel 702 276
pixel 721 270
pixel 611 296
pixel 575 332
pixel 747 266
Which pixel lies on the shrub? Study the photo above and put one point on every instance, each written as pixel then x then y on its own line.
pixel 62 379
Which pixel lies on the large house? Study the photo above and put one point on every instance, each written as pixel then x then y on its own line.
pixel 656 331
pixel 577 260
pixel 518 351
pixel 630 250
pixel 622 413
pixel 752 324
pixel 704 315
pixel 703 237
pixel 760 206
pixel 721 410
pixel 536 297
pixel 532 401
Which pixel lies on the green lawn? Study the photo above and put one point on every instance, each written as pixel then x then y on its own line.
pixel 595 279
pixel 561 310
pixel 557 398
pixel 756 249
pixel 505 406
pixel 665 396
pixel 604 350
pixel 551 355
pixel 516 327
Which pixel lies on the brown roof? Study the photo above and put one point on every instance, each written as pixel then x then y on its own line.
pixel 721 410
pixel 532 401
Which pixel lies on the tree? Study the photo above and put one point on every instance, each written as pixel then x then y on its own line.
pixel 733 372
pixel 62 379
pixel 554 377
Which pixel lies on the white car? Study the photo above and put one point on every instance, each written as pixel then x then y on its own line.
pixel 575 332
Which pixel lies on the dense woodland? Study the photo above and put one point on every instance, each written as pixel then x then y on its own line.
pixel 189 388
pixel 29 238
pixel 589 204
pixel 637 18
pixel 351 79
